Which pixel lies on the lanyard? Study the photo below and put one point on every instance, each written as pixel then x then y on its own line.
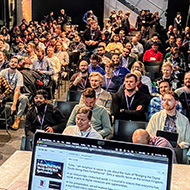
pixel 84 84
pixel 125 62
pixel 186 100
pixel 87 133
pixel 10 79
pixel 129 104
pixel 76 46
pixel 43 117
pixel 116 73
pixel 107 83
pixel 172 128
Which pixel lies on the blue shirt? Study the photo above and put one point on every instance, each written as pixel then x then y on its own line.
pixel 121 72
pixel 96 69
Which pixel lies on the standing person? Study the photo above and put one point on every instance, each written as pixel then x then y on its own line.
pixel 111 83
pixel 177 22
pixel 125 23
pixel 83 127
pixel 15 79
pixel 64 19
pixel 89 14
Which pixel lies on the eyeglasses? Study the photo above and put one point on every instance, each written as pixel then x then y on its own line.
pixel 39 97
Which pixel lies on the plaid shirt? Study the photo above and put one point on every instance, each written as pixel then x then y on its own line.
pixel 5 88
pixel 156 105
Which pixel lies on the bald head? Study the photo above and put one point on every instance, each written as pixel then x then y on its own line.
pixel 141 136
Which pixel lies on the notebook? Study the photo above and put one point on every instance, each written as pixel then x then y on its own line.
pixel 170 136
pixel 61 162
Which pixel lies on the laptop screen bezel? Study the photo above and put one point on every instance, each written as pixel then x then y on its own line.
pixel 105 144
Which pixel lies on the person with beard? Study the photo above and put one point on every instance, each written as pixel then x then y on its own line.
pixel 171 120
pixel 79 81
pixel 100 118
pixel 83 127
pixel 128 103
pixel 125 59
pixel 101 52
pixel 15 79
pixel 43 116
pixel 118 69
pixel 156 103
pixel 184 95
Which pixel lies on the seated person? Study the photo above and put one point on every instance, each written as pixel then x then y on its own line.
pixel 103 98
pixel 128 103
pixel 43 66
pixel 43 116
pixel 77 46
pixel 171 120
pixel 156 103
pixel 15 79
pixel 137 47
pixel 118 69
pixel 111 83
pixel 184 95
pixel 179 64
pixel 141 136
pixel 115 46
pixel 83 127
pixel 100 118
pixel 79 81
pixel 140 86
pixel 94 65
pixel 125 59
pixel 101 52
pixel 139 66
pixel 169 43
pixel 153 55
pixel 3 61
pixel 167 75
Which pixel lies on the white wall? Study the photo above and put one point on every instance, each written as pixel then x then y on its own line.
pixel 152 5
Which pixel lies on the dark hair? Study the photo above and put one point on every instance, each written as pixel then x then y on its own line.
pixel 42 92
pixel 89 93
pixel 14 57
pixel 131 75
pixel 161 81
pixel 95 57
pixel 85 110
pixel 173 94
pixel 155 44
pixel 99 46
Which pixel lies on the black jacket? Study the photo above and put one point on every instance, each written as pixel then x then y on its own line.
pixel 53 118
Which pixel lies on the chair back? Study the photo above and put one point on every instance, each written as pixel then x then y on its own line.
pixel 73 96
pixel 153 68
pixel 124 130
pixel 66 108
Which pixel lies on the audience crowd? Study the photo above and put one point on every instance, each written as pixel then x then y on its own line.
pixel 107 65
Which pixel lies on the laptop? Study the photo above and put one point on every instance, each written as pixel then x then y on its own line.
pixel 61 162
pixel 170 136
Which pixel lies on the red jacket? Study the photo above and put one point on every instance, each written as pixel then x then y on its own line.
pixel 152 56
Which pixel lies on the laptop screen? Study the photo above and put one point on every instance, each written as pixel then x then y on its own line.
pixel 69 163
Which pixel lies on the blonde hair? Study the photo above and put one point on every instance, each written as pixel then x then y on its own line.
pixel 167 64
pixel 93 74
pixel 141 65
pixel 138 74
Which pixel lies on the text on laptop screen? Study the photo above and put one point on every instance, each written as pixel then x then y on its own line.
pixel 65 165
